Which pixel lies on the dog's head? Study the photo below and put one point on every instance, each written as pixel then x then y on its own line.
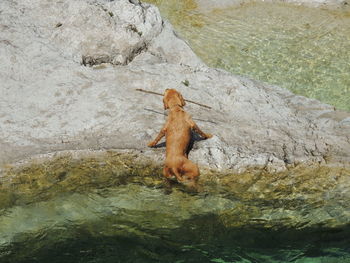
pixel 172 98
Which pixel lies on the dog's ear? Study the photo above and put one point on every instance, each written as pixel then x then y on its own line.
pixel 166 106
pixel 183 103
pixel 165 103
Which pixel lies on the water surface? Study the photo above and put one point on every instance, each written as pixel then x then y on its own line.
pixel 117 208
pixel 305 50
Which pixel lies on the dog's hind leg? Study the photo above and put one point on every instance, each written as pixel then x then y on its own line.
pixel 170 172
pixel 177 173
pixel 166 172
pixel 190 170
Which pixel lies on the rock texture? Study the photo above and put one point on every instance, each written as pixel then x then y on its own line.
pixel 70 69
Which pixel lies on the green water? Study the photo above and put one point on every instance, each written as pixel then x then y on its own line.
pixel 109 226
pixel 103 227
pixel 302 49
pixel 117 208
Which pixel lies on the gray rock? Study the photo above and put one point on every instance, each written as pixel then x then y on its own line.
pixel 70 69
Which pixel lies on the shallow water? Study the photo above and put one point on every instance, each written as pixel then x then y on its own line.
pixel 305 50
pixel 117 208
pixel 103 227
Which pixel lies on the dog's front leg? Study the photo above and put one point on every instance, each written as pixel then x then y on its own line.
pixel 200 132
pixel 156 140
pixel 194 127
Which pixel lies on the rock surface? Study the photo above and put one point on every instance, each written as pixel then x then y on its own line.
pixel 70 69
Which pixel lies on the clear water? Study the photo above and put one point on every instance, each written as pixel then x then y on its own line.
pixel 305 50
pixel 103 227
pixel 113 209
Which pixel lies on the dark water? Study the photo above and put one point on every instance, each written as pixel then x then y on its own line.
pixel 185 245
pixel 101 228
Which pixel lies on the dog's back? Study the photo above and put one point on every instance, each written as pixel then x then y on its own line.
pixel 178 135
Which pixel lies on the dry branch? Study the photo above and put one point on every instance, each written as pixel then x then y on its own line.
pixel 160 94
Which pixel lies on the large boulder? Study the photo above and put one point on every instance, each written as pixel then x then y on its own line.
pixel 70 69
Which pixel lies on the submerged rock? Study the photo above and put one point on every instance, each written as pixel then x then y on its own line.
pixel 80 198
pixel 68 76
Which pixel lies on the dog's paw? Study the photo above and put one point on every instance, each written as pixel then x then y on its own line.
pixel 152 144
pixel 208 135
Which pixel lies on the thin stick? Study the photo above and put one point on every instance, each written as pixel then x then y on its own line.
pixel 160 94
pixel 150 92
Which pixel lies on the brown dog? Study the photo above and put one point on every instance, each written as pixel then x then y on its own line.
pixel 177 130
